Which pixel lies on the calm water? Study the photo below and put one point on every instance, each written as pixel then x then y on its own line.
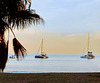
pixel 55 63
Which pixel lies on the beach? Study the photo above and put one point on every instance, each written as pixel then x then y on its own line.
pixel 49 77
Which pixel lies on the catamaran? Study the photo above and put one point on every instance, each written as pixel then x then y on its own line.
pixel 42 55
pixel 89 53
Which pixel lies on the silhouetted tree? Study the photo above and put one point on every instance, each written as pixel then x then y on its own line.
pixel 14 14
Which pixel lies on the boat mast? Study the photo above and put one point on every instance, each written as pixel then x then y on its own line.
pixel 88 44
pixel 42 46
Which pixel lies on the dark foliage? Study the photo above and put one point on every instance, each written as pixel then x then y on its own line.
pixel 14 13
pixel 18 48
pixel 3 54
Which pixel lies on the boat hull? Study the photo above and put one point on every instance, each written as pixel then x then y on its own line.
pixel 43 57
pixel 88 56
pixel 85 56
pixel 91 57
pixel 12 57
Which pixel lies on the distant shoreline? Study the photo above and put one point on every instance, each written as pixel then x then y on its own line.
pixel 50 77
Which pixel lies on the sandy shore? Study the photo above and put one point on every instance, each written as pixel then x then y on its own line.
pixel 50 78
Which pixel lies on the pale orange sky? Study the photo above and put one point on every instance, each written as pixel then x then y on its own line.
pixel 55 43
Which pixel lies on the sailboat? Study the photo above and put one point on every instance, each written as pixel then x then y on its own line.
pixel 89 53
pixel 42 55
pixel 12 57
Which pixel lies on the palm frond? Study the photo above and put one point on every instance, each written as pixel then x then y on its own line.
pixel 25 17
pixel 3 27
pixel 18 13
pixel 18 48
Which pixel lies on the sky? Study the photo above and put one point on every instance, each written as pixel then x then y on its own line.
pixel 69 16
pixel 67 23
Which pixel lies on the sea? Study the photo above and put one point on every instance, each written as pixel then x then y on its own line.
pixel 56 63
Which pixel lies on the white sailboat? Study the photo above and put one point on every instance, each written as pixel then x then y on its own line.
pixel 42 55
pixel 89 54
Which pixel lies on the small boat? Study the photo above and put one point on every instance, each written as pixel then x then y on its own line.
pixel 89 53
pixel 42 55
pixel 88 56
pixel 12 57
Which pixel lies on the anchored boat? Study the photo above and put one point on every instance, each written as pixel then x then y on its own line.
pixel 43 54
pixel 12 57
pixel 89 54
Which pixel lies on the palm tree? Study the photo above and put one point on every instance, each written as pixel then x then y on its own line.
pixel 14 14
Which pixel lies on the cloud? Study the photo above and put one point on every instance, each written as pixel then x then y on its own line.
pixel 56 43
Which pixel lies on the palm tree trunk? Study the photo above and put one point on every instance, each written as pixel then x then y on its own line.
pixel 3 48
pixel 3 55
